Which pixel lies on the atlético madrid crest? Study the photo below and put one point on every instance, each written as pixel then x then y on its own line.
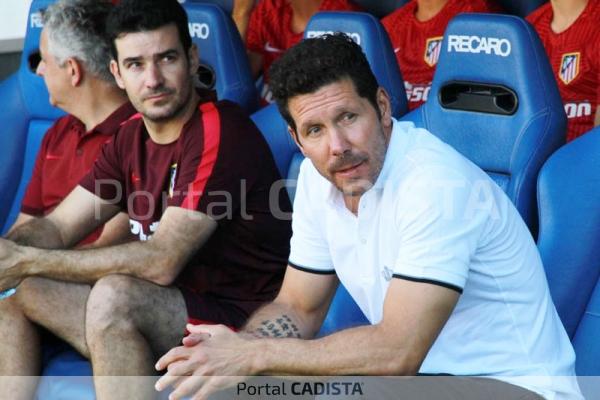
pixel 433 48
pixel 569 67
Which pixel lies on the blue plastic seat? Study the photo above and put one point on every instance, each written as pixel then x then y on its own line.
pixel 226 5
pixel 569 239
pixel 569 243
pixel 494 99
pixel 25 116
pixel 221 49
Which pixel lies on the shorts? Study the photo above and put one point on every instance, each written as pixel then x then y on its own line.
pixel 205 308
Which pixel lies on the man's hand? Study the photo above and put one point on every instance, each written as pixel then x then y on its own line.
pixel 212 358
pixel 10 273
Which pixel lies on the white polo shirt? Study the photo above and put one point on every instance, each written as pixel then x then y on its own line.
pixel 433 216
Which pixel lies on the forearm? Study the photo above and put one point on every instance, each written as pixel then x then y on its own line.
pixel 241 15
pixel 362 350
pixel 138 259
pixel 37 232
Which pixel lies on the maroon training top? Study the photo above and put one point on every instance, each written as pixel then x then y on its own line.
pixel 221 166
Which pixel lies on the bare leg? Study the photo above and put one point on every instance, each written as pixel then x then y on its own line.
pixel 59 307
pixel 129 324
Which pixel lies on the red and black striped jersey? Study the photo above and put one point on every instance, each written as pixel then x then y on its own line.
pixel 575 58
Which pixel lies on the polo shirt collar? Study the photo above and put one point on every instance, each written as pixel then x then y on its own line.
pixel 112 123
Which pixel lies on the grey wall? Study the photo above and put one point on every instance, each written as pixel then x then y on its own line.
pixel 9 63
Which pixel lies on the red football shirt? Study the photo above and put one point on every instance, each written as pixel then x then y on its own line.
pixel 575 58
pixel 270 33
pixel 67 153
pixel 417 44
pixel 221 166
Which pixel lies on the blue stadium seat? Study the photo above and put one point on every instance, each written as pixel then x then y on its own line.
pixel 520 8
pixel 25 117
pixel 221 49
pixel 369 33
pixel 569 242
pixel 569 239
pixel 494 98
pixel 226 5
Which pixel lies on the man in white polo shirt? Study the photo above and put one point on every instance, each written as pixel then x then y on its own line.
pixel 433 252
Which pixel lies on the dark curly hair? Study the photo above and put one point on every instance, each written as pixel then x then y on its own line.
pixel 130 16
pixel 317 62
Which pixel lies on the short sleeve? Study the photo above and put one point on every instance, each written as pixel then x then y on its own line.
pixel 106 179
pixel 309 250
pixel 439 221
pixel 32 203
pixel 219 166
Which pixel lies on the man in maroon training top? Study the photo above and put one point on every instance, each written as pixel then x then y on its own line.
pixel 197 180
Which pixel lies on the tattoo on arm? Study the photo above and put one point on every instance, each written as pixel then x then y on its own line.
pixel 282 327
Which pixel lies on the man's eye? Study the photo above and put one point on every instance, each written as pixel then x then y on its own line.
pixel 313 131
pixel 349 117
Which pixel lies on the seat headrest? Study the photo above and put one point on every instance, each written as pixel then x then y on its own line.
pixel 368 32
pixel 493 75
pixel 226 5
pixel 33 88
pixel 221 48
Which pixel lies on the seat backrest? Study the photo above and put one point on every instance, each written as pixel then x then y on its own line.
pixel 520 8
pixel 494 99
pixel 380 8
pixel 368 32
pixel 221 49
pixel 25 115
pixel 569 239
pixel 226 5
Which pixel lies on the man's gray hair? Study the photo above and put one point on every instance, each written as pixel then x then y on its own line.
pixel 76 29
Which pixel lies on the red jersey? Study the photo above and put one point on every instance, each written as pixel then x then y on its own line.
pixel 221 166
pixel 417 44
pixel 270 34
pixel 66 155
pixel 575 58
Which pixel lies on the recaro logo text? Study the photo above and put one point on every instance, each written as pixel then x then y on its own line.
pixel 35 20
pixel 476 45
pixel 313 34
pixel 199 30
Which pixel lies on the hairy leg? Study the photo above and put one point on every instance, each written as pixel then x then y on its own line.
pixel 57 306
pixel 129 324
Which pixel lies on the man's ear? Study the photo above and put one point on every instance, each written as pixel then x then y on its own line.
pixel 75 70
pixel 194 59
pixel 114 69
pixel 295 138
pixel 385 107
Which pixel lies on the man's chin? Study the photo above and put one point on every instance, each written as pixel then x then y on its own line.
pixel 355 188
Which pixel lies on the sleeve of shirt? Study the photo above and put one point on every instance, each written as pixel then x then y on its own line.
pixel 255 34
pixel 439 227
pixel 219 166
pixel 309 250
pixel 106 179
pixel 32 203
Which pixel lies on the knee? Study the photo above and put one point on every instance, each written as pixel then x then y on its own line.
pixel 109 307
pixel 30 293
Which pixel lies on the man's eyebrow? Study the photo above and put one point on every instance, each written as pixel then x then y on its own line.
pixel 157 55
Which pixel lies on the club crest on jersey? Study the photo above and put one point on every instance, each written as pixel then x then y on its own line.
pixel 569 67
pixel 433 48
pixel 172 177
